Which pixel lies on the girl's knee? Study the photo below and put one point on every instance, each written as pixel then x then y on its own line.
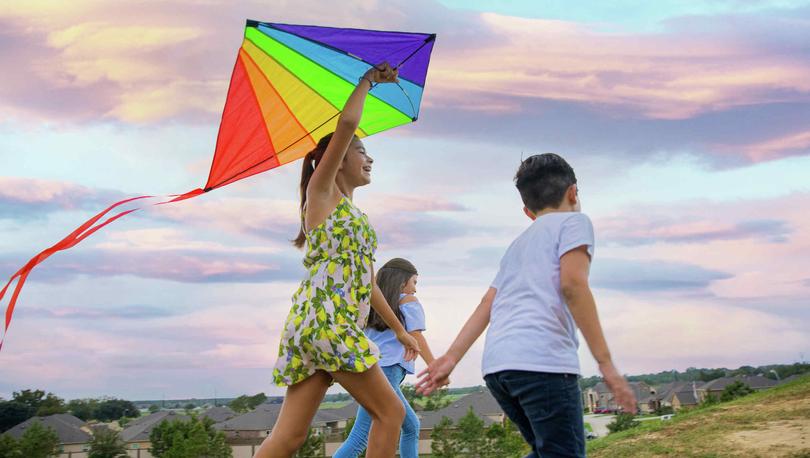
pixel 390 414
pixel 398 412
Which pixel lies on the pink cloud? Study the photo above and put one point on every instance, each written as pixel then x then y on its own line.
pixel 720 240
pixel 673 75
pixel 30 197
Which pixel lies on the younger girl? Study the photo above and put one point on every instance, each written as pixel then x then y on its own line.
pixel 397 281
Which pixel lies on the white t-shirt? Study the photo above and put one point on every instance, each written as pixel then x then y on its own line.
pixel 530 326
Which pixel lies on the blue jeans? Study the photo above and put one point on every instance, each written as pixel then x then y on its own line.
pixel 546 408
pixel 409 436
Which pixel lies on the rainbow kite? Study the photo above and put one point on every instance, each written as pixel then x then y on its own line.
pixel 288 87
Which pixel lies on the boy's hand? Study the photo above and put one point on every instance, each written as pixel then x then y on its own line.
pixel 410 344
pixel 624 396
pixel 435 375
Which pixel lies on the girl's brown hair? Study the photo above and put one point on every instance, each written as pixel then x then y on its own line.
pixel 311 161
pixel 391 278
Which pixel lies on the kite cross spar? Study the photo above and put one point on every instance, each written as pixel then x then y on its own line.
pixel 286 91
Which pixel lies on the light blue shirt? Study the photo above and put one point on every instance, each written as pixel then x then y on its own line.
pixel 530 326
pixel 391 351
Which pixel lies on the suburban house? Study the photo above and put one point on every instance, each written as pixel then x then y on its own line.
pixel 74 435
pixel 792 378
pixel 219 414
pixel 481 402
pixel 137 432
pixel 678 395
pixel 600 397
pixel 715 387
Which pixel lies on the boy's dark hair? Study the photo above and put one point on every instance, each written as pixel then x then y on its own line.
pixel 542 180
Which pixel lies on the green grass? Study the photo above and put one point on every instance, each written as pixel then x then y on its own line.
pixel 588 427
pixel 717 431
pixel 334 404
pixel 449 398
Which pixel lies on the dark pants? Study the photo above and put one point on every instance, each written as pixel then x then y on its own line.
pixel 546 408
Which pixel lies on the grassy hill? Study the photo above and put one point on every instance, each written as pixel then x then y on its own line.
pixel 771 423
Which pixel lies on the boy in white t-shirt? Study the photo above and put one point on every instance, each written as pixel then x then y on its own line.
pixel 533 308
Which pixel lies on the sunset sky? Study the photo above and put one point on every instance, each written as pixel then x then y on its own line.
pixel 687 123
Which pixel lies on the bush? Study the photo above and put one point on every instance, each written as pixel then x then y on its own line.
pixel 735 390
pixel 106 444
pixel 664 410
pixel 623 421
pixel 192 438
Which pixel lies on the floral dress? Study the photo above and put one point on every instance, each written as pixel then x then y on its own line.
pixel 330 308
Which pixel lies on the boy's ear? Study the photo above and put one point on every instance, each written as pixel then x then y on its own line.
pixel 529 213
pixel 572 194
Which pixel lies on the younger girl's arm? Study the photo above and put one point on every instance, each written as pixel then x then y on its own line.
pixel 424 349
pixel 417 326
pixel 380 305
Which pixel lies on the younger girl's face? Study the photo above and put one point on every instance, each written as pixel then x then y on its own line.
pixel 410 285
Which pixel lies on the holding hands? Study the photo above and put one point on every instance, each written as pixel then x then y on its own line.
pixel 435 375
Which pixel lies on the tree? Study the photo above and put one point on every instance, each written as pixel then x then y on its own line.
pixel 506 441
pixel 51 405
pixel 106 444
pixel 154 408
pixel 113 409
pixel 12 413
pixel 409 391
pixel 709 400
pixel 247 403
pixel 9 447
pixel 437 400
pixel 443 440
pixel 31 398
pixel 348 429
pixel 472 435
pixel 736 390
pixel 84 409
pixel 188 439
pixel 38 442
pixel 664 410
pixel 623 421
pixel 312 448
pixel 470 438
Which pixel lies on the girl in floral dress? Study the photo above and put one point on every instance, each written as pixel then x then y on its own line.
pixel 322 340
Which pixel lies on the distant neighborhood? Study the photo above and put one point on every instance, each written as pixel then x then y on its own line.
pixel 244 432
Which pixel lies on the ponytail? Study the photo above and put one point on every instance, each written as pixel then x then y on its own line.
pixel 311 161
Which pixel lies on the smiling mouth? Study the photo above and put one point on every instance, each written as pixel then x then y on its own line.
pixel 367 169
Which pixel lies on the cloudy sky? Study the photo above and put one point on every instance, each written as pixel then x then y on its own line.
pixel 687 124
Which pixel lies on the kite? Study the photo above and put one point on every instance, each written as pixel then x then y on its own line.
pixel 287 90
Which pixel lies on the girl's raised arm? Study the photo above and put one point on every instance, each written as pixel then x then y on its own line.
pixel 322 184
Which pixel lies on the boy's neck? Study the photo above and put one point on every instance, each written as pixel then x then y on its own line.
pixel 547 210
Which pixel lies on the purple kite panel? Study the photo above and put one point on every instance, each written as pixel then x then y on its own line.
pixel 409 51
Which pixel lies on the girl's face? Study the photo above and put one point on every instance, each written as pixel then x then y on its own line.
pixel 356 166
pixel 410 285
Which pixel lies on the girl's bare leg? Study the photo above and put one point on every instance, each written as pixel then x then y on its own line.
pixel 300 404
pixel 372 390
